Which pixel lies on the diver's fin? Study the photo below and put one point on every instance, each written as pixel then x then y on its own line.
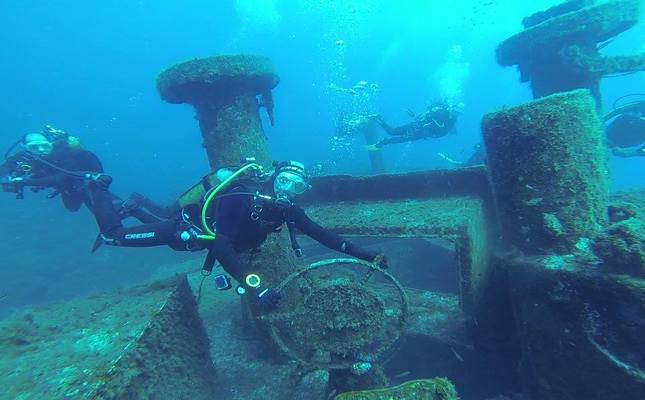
pixel 98 242
pixel 450 160
pixel 372 147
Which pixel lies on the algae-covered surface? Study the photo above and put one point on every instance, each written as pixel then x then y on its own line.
pixel 412 217
pixel 66 350
pixel 459 219
pixel 578 325
pixel 560 9
pixel 223 90
pixel 249 370
pixel 422 389
pixel 233 132
pixel 558 50
pixel 548 166
pixel 589 24
pixel 437 315
pixel 635 198
pixel 202 79
pixel 622 244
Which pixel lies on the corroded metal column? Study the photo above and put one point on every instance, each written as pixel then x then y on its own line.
pixel 224 90
pixel 227 93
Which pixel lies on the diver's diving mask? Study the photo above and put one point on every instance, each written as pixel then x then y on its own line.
pixel 38 144
pixel 290 184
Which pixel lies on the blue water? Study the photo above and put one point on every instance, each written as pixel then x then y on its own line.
pixel 89 68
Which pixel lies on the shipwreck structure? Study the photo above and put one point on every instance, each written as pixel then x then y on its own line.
pixel 555 210
pixel 550 293
pixel 560 48
pixel 551 185
pixel 125 345
pixel 549 297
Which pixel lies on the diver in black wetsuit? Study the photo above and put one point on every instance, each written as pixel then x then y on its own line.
pixel 241 218
pixel 438 120
pixel 626 130
pixel 53 159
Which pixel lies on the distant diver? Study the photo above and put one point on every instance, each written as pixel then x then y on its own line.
pixel 478 157
pixel 437 121
pixel 232 211
pixel 55 160
pixel 625 129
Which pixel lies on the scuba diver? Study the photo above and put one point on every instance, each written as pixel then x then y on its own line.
pixel 228 213
pixel 625 129
pixel 53 159
pixel 478 157
pixel 438 120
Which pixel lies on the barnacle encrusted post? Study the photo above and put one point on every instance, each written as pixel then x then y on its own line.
pixel 560 48
pixel 224 90
pixel 548 167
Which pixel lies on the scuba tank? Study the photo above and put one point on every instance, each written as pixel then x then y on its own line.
pixel 201 196
pixel 210 185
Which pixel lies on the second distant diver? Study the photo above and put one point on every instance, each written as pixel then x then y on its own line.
pixel 478 157
pixel 437 121
pixel 625 127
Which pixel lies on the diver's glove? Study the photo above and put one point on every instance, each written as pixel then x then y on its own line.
pixel 268 299
pixel 381 261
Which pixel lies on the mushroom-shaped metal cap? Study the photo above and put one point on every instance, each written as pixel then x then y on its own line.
pixel 207 79
pixel 589 24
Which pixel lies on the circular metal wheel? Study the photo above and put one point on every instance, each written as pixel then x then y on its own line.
pixel 348 311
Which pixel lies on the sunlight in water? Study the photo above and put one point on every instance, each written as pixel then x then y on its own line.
pixel 260 14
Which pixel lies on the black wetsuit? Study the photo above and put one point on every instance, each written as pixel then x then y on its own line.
pixel 438 121
pixel 60 171
pixel 39 174
pixel 241 223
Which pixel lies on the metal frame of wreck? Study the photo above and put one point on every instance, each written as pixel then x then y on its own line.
pixel 453 204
